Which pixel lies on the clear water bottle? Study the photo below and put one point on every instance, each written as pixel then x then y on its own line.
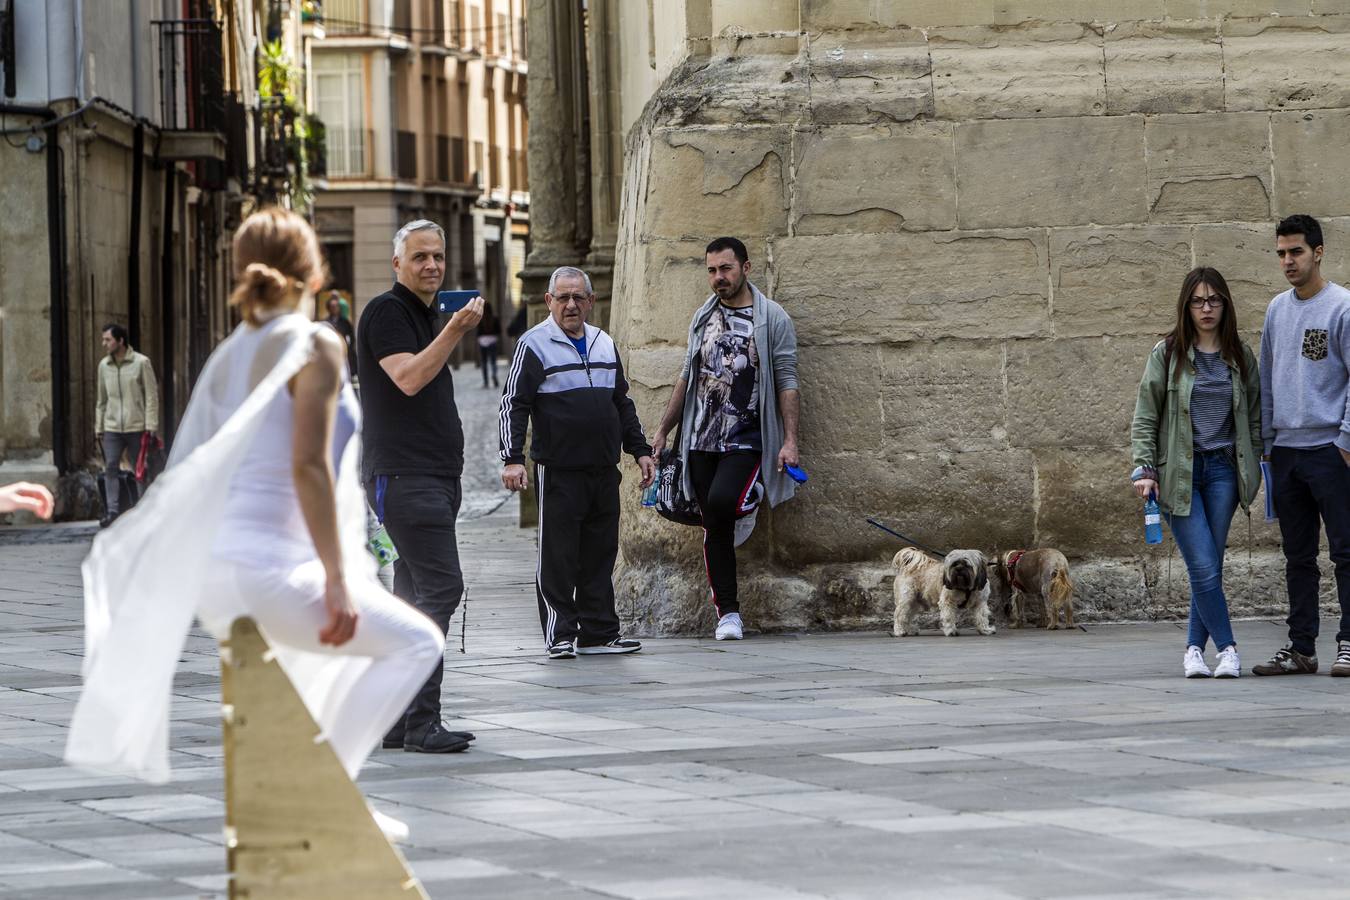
pixel 1152 520
pixel 649 495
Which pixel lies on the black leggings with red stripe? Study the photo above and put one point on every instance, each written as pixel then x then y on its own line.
pixel 722 482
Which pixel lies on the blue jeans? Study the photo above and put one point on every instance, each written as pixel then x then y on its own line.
pixel 1201 538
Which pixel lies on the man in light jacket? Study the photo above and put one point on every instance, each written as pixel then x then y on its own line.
pixel 736 401
pixel 127 408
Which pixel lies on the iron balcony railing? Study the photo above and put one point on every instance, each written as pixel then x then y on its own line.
pixel 191 75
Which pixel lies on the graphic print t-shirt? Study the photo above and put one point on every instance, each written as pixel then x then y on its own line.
pixel 726 416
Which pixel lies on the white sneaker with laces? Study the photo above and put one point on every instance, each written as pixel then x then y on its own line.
pixel 1194 663
pixel 1227 665
pixel 730 628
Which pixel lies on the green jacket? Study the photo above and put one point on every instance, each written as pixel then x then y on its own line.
pixel 128 395
pixel 1161 433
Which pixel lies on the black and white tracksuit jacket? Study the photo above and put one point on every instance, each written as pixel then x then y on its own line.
pixel 583 416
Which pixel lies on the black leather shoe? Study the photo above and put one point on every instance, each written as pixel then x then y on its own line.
pixel 434 739
pixel 395 742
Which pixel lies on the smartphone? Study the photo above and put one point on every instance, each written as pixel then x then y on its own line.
pixel 448 302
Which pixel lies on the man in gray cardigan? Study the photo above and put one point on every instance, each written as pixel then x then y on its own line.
pixel 736 401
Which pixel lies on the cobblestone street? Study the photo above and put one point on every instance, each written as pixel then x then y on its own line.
pixel 1029 764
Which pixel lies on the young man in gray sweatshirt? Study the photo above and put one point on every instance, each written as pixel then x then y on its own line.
pixel 1305 423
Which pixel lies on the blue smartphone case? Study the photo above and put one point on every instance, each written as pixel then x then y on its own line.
pixel 453 301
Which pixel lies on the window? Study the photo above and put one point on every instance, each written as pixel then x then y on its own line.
pixel 339 102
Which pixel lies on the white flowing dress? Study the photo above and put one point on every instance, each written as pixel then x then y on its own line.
pixel 221 535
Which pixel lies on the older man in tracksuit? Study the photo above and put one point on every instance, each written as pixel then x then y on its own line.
pixel 567 377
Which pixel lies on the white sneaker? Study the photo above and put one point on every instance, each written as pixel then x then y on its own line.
pixel 1227 665
pixel 729 628
pixel 1194 663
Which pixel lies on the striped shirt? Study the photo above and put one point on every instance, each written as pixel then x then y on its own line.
pixel 1212 402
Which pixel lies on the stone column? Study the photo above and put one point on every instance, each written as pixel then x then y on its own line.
pixel 606 150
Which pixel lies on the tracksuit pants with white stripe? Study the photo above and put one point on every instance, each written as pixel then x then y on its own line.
pixel 578 543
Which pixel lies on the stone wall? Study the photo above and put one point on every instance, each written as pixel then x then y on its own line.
pixel 979 217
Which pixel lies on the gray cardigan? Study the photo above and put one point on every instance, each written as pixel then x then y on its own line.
pixel 776 340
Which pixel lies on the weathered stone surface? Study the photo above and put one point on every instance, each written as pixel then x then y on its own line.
pixel 1312 150
pixel 875 179
pixel 756 16
pixel 1121 280
pixel 1074 171
pixel 930 13
pixel 990 73
pixel 755 81
pixel 1287 63
pixel 1085 504
pixel 1173 67
pixel 1209 167
pixel 947 396
pixel 731 181
pixel 869 76
pixel 977 500
pixel 842 399
pixel 1245 255
pixel 1074 393
pixel 899 287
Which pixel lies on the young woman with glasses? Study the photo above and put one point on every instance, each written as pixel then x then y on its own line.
pixel 1195 439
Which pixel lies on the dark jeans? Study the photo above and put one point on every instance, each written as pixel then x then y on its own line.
pixel 487 360
pixel 722 481
pixel 578 542
pixel 419 513
pixel 1201 537
pixel 1308 484
pixel 114 442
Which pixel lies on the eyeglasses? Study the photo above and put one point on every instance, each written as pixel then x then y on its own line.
pixel 566 299
pixel 1201 302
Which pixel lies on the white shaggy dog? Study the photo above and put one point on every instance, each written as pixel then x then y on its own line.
pixel 961 581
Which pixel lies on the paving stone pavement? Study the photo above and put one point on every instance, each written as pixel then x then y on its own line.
pixel 1028 764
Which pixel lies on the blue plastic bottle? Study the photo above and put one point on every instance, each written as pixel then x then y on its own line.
pixel 649 495
pixel 1152 520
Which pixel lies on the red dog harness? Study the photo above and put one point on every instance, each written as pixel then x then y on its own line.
pixel 1012 569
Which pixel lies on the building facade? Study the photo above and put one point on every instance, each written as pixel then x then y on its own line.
pixel 423 105
pixel 979 215
pixel 130 134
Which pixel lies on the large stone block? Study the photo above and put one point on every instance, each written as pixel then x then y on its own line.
pixel 1287 63
pixel 993 73
pixel 943 396
pixel 759 81
pixel 755 16
pixel 1040 172
pixel 1120 280
pixel 903 287
pixel 875 179
pixel 978 500
pixel 1312 156
pixel 931 13
pixel 1211 167
pixel 1213 9
pixel 869 76
pixel 1085 505
pixel 1078 392
pixel 1173 67
pixel 842 399
pixel 732 182
pixel 1245 255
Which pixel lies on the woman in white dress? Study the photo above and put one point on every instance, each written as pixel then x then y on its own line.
pixel 250 519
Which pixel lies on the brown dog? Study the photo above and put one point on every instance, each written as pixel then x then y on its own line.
pixel 1036 573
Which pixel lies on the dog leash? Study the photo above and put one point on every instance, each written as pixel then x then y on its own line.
pixel 908 540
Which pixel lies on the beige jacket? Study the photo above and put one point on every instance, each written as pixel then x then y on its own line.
pixel 128 395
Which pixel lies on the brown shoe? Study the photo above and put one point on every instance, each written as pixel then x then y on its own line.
pixel 1341 667
pixel 1287 661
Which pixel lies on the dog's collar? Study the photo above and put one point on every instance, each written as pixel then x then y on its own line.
pixel 1013 559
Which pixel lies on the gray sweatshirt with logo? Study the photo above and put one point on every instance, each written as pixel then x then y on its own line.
pixel 1305 370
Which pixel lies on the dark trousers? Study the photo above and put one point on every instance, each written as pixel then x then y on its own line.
pixel 1309 484
pixel 487 361
pixel 578 542
pixel 114 442
pixel 722 482
pixel 419 513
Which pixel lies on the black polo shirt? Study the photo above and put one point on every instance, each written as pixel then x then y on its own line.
pixel 402 435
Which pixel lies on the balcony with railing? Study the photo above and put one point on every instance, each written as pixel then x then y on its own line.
pixel 192 98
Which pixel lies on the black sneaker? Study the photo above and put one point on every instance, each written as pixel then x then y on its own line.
pixel 1341 667
pixel 618 645
pixel 562 650
pixel 1287 661
pixel 433 739
pixel 395 741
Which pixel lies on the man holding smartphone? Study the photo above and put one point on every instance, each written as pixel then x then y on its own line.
pixel 413 453
pixel 568 378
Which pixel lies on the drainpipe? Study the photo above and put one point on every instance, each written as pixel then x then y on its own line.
pixel 56 255
pixel 134 250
